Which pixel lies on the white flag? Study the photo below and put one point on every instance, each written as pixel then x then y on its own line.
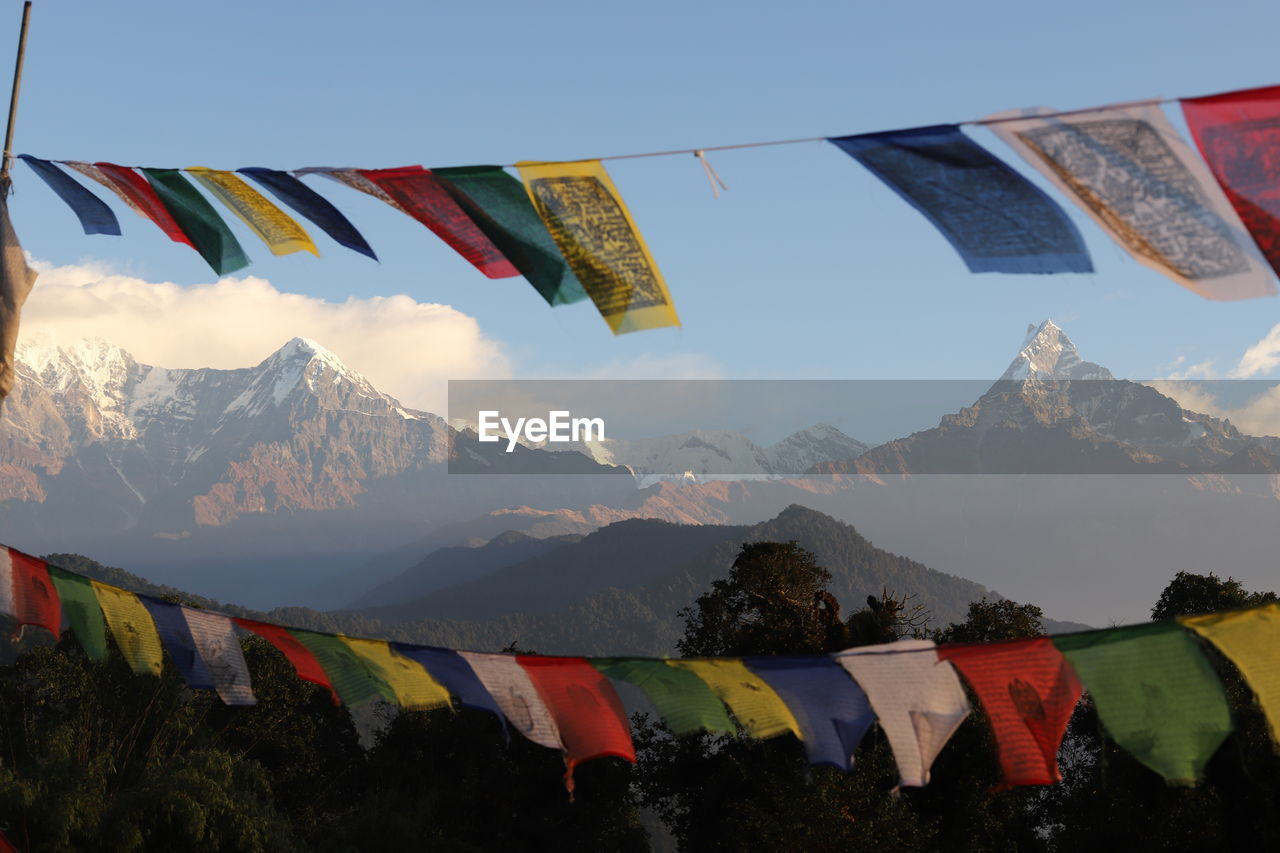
pixel 217 643
pixel 1127 168
pixel 510 687
pixel 918 700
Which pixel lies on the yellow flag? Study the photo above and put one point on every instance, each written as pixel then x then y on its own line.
pixel 1249 639
pixel 277 229
pixel 760 711
pixel 594 231
pixel 414 687
pixel 131 625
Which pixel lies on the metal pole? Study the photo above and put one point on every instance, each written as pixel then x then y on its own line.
pixel 13 96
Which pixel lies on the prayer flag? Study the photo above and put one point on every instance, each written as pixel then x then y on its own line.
pixel 137 193
pixel 1028 691
pixel 1238 134
pixel 16 281
pixel 1130 171
pixel 588 221
pixel 198 220
pixel 996 219
pixel 832 711
pixel 27 594
pixel 1251 640
pixel 454 674
pixel 310 204
pixel 509 685
pixel 273 226
pixel 131 625
pixel 95 217
pixel 215 637
pixel 757 708
pixel 304 662
pixel 355 682
pixel 412 686
pixel 585 707
pixel 685 701
pixel 416 191
pixel 175 636
pixel 500 207
pixel 1157 695
pixel 918 700
pixel 84 613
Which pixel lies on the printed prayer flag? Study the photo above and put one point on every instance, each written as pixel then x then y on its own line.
pixel 1251 640
pixel 95 217
pixel 198 220
pixel 138 194
pixel 1130 171
pixel 299 656
pixel 1028 691
pixel 215 637
pixel 416 191
pixel 27 594
pixel 757 708
pixel 1238 134
pixel 500 207
pixel 131 626
pixel 16 281
pixel 685 702
pixel 308 203
pixel 588 221
pixel 84 613
pixel 832 711
pixel 997 220
pixel 413 687
pixel 918 700
pixel 585 707
pixel 509 685
pixel 273 226
pixel 175 636
pixel 93 172
pixel 355 682
pixel 1157 695
pixel 455 675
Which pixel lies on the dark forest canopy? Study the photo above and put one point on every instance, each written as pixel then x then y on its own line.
pixel 93 757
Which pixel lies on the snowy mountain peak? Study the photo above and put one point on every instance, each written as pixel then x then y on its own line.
pixel 1047 353
pixel 95 363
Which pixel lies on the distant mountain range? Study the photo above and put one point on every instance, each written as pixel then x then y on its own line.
pixel 618 590
pixel 297 481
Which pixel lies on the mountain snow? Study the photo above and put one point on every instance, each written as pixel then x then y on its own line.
pixel 1047 353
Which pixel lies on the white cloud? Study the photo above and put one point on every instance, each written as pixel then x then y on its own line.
pixel 1262 357
pixel 1258 415
pixel 405 348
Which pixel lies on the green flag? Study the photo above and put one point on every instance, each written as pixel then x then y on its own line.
pixel 80 604
pixel 1157 695
pixel 501 209
pixel 684 700
pixel 349 676
pixel 198 220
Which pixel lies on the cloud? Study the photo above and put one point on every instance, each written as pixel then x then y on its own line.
pixel 405 348
pixel 1258 415
pixel 1262 357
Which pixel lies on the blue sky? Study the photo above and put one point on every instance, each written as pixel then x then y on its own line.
pixel 807 267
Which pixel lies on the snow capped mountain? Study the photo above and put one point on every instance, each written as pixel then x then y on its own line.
pixel 700 454
pixel 1047 353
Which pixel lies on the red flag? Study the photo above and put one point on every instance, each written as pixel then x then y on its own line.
pixel 305 663
pixel 1028 691
pixel 417 192
pixel 1238 134
pixel 585 708
pixel 34 600
pixel 136 190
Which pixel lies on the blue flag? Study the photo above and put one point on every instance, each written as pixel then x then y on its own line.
pixel 832 711
pixel 95 216
pixel 994 217
pixel 176 637
pixel 310 204
pixel 455 674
